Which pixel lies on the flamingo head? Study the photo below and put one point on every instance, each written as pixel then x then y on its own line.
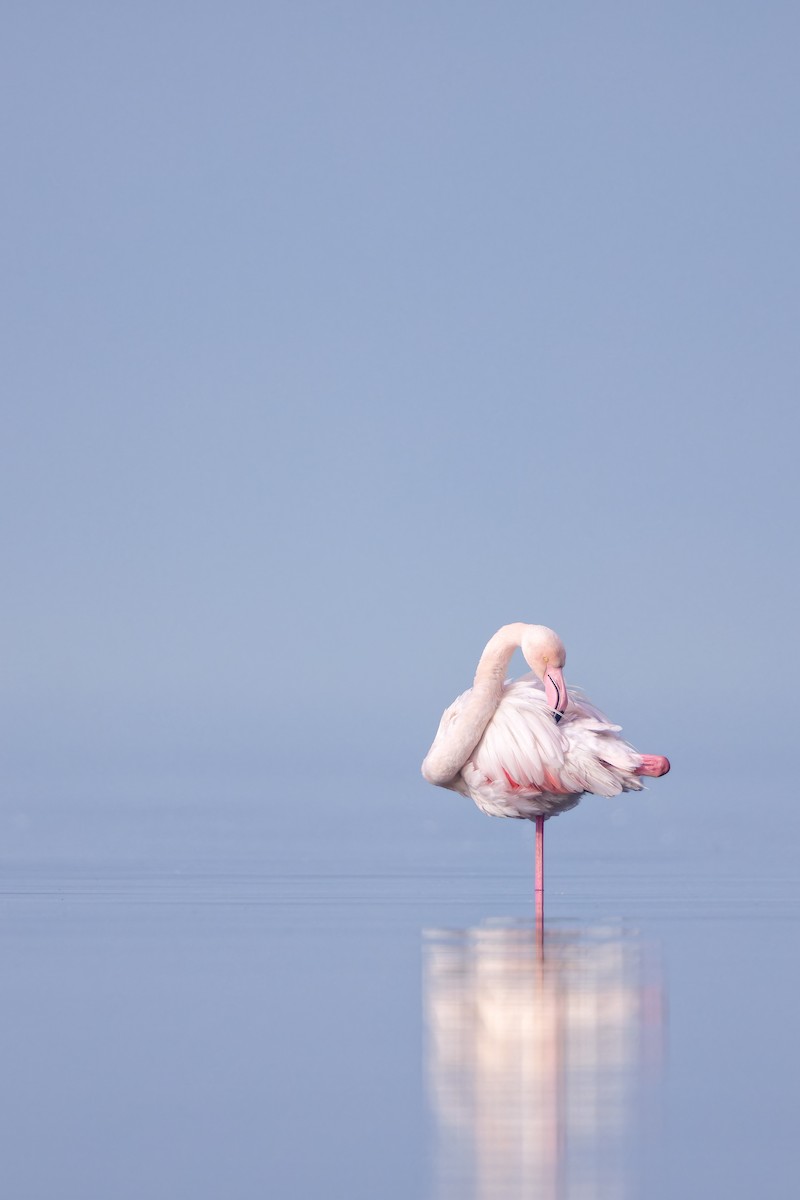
pixel 545 655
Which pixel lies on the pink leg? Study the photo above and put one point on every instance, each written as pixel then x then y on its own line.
pixel 653 764
pixel 539 884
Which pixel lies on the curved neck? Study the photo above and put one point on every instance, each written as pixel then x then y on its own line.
pixel 490 674
pixel 459 735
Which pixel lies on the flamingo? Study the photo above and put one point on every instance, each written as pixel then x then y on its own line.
pixel 527 748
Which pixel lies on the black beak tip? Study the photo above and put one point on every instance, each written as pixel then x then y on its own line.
pixel 557 716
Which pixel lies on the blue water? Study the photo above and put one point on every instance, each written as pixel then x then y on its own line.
pixel 213 990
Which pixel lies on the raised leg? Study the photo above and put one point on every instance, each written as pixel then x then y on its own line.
pixel 653 765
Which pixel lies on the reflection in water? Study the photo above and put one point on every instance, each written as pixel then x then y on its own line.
pixel 536 1056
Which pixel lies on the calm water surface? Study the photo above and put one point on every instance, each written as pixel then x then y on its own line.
pixel 213 993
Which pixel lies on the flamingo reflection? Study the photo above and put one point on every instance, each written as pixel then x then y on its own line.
pixel 537 1052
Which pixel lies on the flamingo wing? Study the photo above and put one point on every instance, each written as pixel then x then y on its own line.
pixel 597 758
pixel 525 748
pixel 522 744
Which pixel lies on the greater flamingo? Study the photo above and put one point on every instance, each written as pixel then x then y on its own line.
pixel 527 748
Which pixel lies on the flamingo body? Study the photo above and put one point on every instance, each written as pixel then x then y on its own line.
pixel 525 765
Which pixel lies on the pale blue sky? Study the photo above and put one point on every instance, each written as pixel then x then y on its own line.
pixel 340 334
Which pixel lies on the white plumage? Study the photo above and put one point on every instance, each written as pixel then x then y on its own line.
pixel 525 765
pixel 529 748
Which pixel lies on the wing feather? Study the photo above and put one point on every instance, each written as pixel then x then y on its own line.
pixel 522 739
pixel 597 757
pixel 582 753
